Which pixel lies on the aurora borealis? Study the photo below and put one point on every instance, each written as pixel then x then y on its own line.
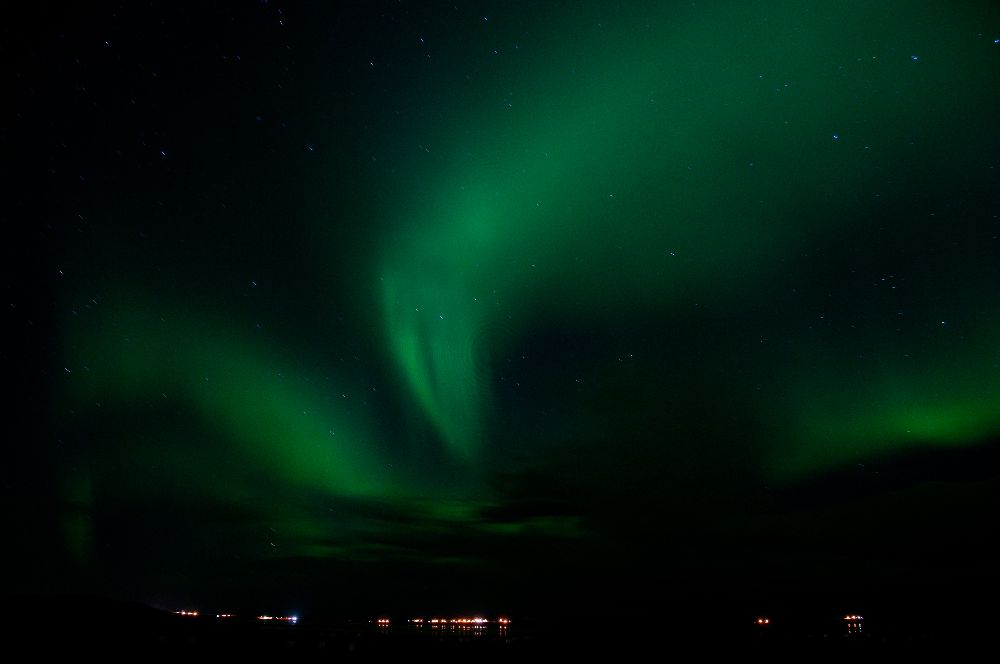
pixel 464 306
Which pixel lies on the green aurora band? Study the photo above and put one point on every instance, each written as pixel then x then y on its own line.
pixel 677 171
pixel 646 164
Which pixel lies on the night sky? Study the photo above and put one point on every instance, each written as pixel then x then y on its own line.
pixel 530 307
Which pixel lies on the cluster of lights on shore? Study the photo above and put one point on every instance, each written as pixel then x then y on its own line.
pixel 381 622
pixel 195 614
pixel 291 619
pixel 458 622
pixel 854 618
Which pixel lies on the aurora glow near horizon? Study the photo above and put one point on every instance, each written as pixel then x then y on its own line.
pixel 635 251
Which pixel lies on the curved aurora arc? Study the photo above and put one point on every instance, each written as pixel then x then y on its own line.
pixel 669 175
pixel 631 187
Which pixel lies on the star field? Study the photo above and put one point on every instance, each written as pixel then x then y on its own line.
pixel 335 305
